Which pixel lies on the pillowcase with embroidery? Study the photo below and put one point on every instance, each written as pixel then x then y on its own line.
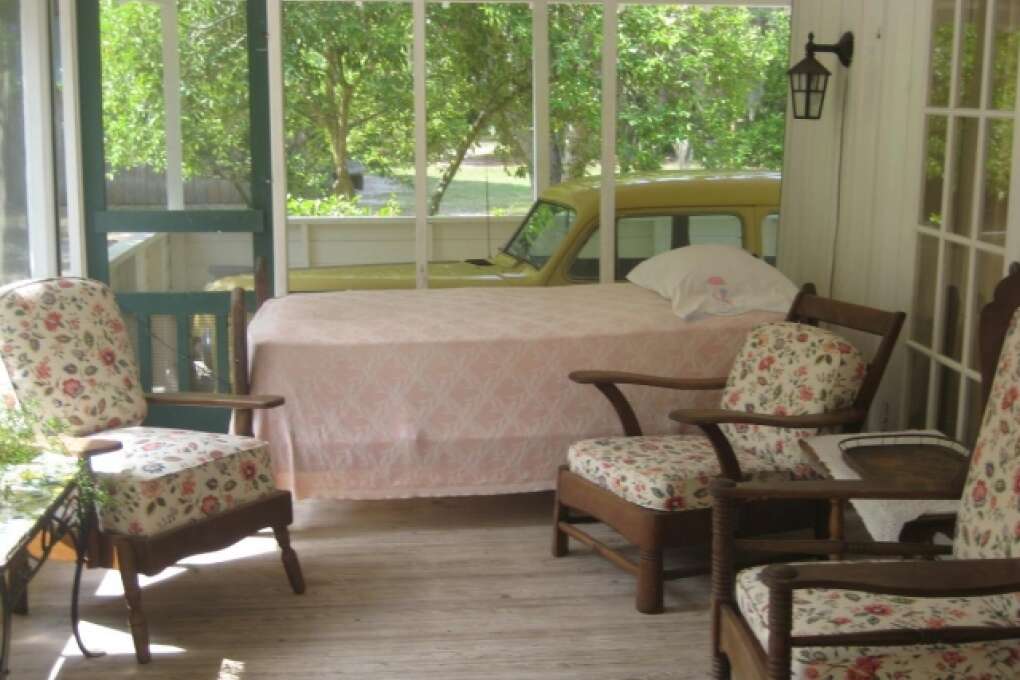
pixel 714 280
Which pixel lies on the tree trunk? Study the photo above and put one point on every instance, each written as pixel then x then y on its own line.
pixel 451 170
pixel 338 127
pixel 577 156
pixel 556 160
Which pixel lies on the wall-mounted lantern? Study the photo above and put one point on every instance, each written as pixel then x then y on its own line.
pixel 809 78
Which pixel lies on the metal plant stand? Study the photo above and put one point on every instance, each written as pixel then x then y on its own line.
pixel 39 507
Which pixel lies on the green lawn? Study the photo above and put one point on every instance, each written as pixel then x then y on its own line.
pixel 476 190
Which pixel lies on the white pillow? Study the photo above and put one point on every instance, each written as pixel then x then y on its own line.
pixel 714 280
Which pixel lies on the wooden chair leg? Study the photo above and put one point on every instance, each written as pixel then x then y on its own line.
pixel 133 597
pixel 560 541
pixel 290 559
pixel 720 667
pixel 649 581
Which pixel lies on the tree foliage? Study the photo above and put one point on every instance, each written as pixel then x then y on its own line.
pixel 215 125
pixel 700 86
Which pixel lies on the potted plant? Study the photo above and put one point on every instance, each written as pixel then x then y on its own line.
pixel 35 465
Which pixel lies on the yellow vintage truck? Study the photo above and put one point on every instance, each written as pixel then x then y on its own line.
pixel 557 242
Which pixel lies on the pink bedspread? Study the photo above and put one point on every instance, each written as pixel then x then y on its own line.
pixel 446 392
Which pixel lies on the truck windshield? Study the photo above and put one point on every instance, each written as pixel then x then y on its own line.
pixel 541 233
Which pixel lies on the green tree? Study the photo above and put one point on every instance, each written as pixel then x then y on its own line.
pixel 348 89
pixel 479 81
pixel 575 75
pixel 214 89
pixel 704 86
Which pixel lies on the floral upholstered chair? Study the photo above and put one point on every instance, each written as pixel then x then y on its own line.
pixel 956 619
pixel 67 355
pixel 789 379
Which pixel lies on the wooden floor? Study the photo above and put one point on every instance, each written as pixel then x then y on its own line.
pixel 450 589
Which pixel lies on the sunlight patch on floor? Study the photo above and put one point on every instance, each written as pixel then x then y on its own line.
pixel 248 547
pixel 231 670
pixel 253 546
pixel 111 585
pixel 55 671
pixel 110 640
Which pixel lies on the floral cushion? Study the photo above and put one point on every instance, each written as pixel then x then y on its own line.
pixel 789 368
pixel 67 353
pixel 988 524
pixel 671 472
pixel 820 612
pixel 164 478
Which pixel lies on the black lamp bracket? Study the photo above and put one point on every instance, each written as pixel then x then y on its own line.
pixel 844 49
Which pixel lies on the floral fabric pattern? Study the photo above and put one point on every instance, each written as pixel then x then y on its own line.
pixel 671 472
pixel 789 369
pixel 988 523
pixel 821 612
pixel 67 352
pixel 165 478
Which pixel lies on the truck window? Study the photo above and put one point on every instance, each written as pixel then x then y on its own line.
pixel 640 237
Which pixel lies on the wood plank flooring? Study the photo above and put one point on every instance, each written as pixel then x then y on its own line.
pixel 437 589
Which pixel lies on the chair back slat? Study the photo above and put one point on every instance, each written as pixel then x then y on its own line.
pixel 143 347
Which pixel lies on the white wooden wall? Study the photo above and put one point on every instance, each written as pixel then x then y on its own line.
pixel 851 180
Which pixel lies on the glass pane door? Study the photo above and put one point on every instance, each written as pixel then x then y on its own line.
pixel 964 212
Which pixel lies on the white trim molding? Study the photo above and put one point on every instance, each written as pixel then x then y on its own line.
pixel 277 146
pixel 39 148
pixel 68 10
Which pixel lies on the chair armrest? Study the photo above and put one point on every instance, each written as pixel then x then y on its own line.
pixel 82 447
pixel 620 378
pixel 949 578
pixel 607 383
pixel 719 416
pixel 834 489
pixel 213 400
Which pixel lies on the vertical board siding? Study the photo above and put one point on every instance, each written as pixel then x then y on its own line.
pixel 848 208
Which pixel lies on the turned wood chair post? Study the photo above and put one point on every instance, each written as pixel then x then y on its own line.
pixel 779 579
pixel 289 558
pixel 239 363
pixel 128 567
pixel 560 541
pixel 650 570
pixel 243 418
pixel 723 570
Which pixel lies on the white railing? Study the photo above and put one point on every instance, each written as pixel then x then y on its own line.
pixel 140 262
pixel 187 261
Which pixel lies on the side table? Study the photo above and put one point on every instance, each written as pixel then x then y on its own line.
pixel 910 458
pixel 40 507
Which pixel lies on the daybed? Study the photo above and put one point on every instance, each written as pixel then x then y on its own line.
pixel 465 391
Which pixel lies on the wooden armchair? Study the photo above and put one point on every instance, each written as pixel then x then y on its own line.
pixel 654 490
pixel 173 492
pixel 937 620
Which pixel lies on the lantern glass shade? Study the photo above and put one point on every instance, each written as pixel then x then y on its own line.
pixel 808 81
